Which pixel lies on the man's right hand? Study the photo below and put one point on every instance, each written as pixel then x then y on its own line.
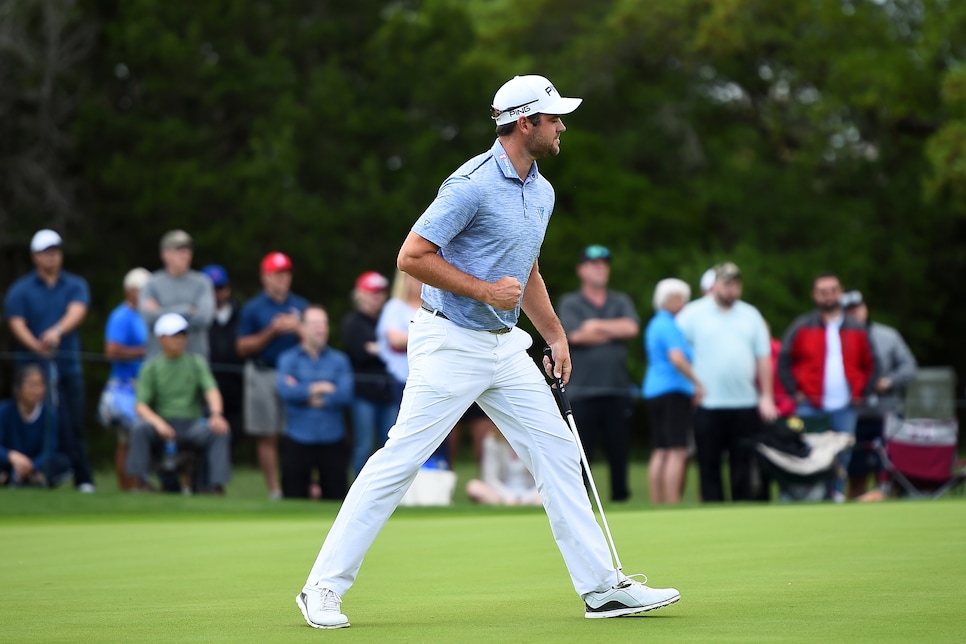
pixel 504 294
pixel 21 464
pixel 285 323
pixel 165 431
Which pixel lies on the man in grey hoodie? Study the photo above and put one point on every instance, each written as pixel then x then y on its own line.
pixel 178 289
pixel 896 369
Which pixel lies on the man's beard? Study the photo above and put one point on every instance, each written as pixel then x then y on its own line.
pixel 542 148
pixel 828 307
pixel 726 302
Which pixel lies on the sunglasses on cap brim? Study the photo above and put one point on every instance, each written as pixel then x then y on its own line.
pixel 496 112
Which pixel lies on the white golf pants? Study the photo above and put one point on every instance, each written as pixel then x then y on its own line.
pixel 450 367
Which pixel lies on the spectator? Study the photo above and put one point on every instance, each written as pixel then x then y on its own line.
pixel 315 381
pixel 732 360
pixel 896 369
pixel 28 434
pixel 599 322
pixel 373 411
pixel 504 479
pixel 226 364
pixel 826 365
pixel 784 404
pixel 44 310
pixel 125 339
pixel 178 289
pixel 168 391
pixel 479 426
pixel 669 388
pixel 392 335
pixel 269 325
pixel 392 330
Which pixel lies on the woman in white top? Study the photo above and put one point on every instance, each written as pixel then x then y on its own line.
pixel 392 336
pixel 392 330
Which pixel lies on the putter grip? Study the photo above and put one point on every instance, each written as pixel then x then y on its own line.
pixel 559 389
pixel 548 352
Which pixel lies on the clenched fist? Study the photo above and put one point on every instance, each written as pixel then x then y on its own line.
pixel 504 293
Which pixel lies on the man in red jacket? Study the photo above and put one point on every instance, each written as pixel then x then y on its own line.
pixel 826 364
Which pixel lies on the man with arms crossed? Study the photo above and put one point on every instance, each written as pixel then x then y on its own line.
pixel 475 249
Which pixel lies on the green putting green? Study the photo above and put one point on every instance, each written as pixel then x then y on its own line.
pixel 116 567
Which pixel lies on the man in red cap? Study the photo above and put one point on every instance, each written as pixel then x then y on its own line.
pixel 268 326
pixel 373 408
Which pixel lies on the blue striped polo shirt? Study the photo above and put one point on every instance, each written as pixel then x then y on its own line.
pixel 488 223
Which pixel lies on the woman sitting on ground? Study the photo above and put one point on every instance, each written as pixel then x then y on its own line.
pixel 28 434
pixel 505 479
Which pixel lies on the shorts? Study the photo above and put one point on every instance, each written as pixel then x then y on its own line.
pixel 264 413
pixel 671 416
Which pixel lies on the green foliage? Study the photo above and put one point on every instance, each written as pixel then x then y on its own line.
pixel 788 137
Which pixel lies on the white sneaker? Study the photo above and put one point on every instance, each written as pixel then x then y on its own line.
pixel 86 488
pixel 627 598
pixel 320 608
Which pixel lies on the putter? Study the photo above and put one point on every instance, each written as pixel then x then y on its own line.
pixel 561 391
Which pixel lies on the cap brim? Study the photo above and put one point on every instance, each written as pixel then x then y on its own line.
pixel 562 106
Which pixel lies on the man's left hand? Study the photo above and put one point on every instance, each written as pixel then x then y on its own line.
pixel 767 409
pixel 218 424
pixel 561 367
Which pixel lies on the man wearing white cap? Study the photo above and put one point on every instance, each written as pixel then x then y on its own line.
pixel 475 250
pixel 169 409
pixel 43 310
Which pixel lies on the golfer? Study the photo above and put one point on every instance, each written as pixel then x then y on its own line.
pixel 475 249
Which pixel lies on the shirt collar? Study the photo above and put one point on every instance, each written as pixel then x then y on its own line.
pixel 305 353
pixel 37 277
pixel 503 161
pixel 35 414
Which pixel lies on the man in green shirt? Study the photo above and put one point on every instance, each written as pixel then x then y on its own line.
pixel 169 391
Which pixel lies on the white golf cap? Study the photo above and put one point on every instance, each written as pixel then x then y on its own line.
pixel 137 278
pixel 708 279
pixel 44 239
pixel 529 95
pixel 170 324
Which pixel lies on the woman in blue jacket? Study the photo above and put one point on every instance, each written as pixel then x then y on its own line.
pixel 28 434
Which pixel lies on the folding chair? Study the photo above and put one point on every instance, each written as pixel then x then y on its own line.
pixel 800 454
pixel 919 451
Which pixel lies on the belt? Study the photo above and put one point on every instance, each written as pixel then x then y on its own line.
pixel 439 314
pixel 436 312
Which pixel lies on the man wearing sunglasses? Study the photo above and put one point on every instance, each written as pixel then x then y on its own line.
pixel 599 322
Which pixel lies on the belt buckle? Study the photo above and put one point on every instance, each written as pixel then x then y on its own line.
pixel 505 329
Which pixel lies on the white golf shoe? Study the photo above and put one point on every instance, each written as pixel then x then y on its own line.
pixel 627 598
pixel 320 608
